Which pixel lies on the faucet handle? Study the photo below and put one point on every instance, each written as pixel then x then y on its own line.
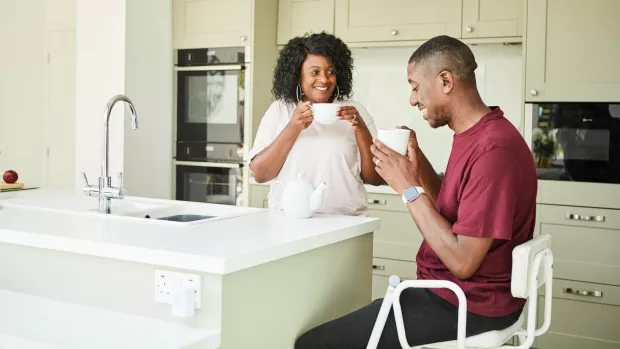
pixel 120 179
pixel 85 179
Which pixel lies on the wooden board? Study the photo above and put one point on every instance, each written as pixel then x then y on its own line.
pixel 11 186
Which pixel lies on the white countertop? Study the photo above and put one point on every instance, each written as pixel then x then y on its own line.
pixel 65 221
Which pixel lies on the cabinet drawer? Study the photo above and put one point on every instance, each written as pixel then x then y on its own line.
pixel 585 292
pixel 384 268
pixel 386 202
pixel 576 324
pixel 398 238
pixel 389 267
pixel 580 216
pixel 585 254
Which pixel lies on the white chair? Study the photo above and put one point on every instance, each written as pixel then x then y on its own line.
pixel 532 266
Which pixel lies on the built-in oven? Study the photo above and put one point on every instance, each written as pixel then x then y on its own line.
pixel 210 94
pixel 577 142
pixel 209 183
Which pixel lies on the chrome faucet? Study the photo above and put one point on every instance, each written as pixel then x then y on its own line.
pixel 105 191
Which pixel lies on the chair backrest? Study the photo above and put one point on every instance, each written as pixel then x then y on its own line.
pixel 522 264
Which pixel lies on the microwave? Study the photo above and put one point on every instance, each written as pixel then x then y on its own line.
pixel 578 142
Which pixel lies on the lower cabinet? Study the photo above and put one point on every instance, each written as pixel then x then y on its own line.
pixel 583 315
pixel 383 268
pixel 258 195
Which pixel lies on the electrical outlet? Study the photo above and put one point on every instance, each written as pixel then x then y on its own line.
pixel 166 280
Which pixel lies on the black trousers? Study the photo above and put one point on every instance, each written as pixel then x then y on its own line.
pixel 428 318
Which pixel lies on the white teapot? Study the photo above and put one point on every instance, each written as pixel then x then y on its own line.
pixel 300 199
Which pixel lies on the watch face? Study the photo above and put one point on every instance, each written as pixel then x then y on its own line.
pixel 411 194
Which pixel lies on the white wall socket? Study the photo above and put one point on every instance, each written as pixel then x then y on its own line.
pixel 165 282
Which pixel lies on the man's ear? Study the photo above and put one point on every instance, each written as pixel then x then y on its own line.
pixel 447 81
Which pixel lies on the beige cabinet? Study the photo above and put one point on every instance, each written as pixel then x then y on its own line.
pixel 572 50
pixel 297 17
pixel 211 23
pixel 258 195
pixel 396 20
pixel 582 321
pixel 492 18
pixel 383 268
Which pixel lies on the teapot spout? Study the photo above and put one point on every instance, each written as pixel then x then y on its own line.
pixel 316 199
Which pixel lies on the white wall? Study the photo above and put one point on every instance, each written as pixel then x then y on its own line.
pixel 380 83
pixel 100 46
pixel 148 67
pixel 22 67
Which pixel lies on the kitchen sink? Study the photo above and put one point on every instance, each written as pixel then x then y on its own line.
pixel 185 217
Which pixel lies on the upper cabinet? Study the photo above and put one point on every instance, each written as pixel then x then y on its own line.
pixel 492 18
pixel 572 51
pixel 396 20
pixel 60 15
pixel 212 23
pixel 297 17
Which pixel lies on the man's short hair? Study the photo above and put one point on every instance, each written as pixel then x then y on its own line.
pixel 447 53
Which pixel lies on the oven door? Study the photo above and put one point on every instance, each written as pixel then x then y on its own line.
pixel 210 103
pixel 209 182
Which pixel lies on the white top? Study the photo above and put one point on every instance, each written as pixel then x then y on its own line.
pixel 220 247
pixel 321 153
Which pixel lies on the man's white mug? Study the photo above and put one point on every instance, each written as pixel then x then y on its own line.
pixel 397 139
pixel 325 113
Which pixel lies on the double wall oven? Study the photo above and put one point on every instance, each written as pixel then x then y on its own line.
pixel 210 95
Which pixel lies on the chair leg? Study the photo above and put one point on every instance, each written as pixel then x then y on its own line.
pixel 521 338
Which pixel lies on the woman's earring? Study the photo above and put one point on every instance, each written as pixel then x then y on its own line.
pixel 337 93
pixel 299 93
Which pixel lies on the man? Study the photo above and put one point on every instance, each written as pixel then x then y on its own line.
pixel 471 220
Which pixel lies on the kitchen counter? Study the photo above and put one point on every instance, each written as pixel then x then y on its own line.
pixel 223 246
pixel 263 278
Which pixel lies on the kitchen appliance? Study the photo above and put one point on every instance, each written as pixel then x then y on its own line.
pixel 577 142
pixel 209 183
pixel 210 98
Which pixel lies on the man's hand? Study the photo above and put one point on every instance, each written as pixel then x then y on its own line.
pixel 399 172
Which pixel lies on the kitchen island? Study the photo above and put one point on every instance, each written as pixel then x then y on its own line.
pixel 71 277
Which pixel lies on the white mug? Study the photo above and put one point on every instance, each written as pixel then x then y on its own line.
pixel 325 113
pixel 397 139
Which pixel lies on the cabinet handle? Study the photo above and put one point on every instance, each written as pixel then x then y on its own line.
pixel 598 294
pixel 469 29
pixel 378 267
pixel 394 32
pixel 243 38
pixel 577 217
pixel 534 92
pixel 377 202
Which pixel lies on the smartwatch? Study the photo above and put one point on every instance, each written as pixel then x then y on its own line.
pixel 411 194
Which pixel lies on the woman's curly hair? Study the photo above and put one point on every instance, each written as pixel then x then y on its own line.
pixel 288 69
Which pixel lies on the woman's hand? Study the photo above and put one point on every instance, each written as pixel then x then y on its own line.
pixel 302 116
pixel 350 114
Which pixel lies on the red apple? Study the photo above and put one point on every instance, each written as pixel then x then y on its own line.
pixel 10 176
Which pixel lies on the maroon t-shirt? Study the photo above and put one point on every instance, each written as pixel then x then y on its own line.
pixel 489 190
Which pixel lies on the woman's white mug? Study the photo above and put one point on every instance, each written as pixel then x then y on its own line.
pixel 397 139
pixel 325 113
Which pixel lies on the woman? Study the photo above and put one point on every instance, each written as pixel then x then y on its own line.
pixel 316 69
